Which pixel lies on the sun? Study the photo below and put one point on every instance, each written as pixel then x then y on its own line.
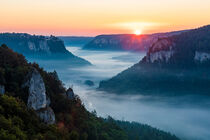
pixel 137 32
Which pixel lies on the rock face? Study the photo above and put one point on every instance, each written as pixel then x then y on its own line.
pixel 37 98
pixel 126 41
pixel 33 46
pixel 70 93
pixel 176 65
pixel 47 115
pixel 2 89
pixel 202 56
pixel 161 51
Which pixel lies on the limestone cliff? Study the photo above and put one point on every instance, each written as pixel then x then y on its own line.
pixel 176 65
pixel 40 47
pixel 160 51
pixel 126 42
pixel 37 98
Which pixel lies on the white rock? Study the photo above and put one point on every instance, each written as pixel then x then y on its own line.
pixel 37 92
pixel 162 56
pixel 201 56
pixel 2 89
pixel 47 115
pixel 38 99
pixel 44 46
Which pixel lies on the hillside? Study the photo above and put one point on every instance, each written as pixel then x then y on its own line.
pixel 175 65
pixel 40 47
pixel 126 42
pixel 35 105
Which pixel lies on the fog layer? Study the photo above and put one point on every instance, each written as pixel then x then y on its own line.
pixel 188 117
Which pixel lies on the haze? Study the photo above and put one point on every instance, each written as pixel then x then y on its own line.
pixel 93 17
pixel 187 117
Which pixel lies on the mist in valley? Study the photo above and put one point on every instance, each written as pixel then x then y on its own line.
pixel 187 117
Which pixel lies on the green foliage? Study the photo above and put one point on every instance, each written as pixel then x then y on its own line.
pixel 73 121
pixel 136 131
pixel 17 122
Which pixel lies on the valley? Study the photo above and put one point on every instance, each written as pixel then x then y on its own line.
pixel 180 115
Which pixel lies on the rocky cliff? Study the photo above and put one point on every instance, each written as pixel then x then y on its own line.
pixel 189 48
pixel 128 42
pixel 175 65
pixel 45 97
pixel 33 46
pixel 37 98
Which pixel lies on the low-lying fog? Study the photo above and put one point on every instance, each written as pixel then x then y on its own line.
pixel 187 117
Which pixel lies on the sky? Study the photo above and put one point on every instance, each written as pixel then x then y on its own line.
pixel 94 17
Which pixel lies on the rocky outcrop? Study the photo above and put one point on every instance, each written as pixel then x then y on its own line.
pixel 37 92
pixel 176 65
pixel 128 42
pixel 42 46
pixel 47 115
pixel 31 44
pixel 161 51
pixel 37 98
pixel 70 93
pixel 202 56
pixel 2 89
pixel 34 46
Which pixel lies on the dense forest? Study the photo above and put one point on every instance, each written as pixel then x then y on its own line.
pixel 73 121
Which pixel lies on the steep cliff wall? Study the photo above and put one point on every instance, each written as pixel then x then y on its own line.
pixel 128 42
pixel 176 65
pixel 37 98
pixel 40 47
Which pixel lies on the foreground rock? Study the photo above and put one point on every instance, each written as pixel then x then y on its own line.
pixel 37 98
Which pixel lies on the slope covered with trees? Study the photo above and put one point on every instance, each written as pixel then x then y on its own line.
pixel 73 121
pixel 176 65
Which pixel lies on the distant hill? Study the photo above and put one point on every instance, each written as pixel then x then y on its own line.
pixel 42 47
pixel 127 42
pixel 175 65
pixel 75 40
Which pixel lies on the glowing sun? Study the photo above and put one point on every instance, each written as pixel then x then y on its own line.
pixel 137 32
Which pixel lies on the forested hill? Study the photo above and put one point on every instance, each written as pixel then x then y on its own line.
pixel 176 65
pixel 126 42
pixel 34 46
pixel 34 105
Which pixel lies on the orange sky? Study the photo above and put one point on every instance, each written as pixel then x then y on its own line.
pixel 93 17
